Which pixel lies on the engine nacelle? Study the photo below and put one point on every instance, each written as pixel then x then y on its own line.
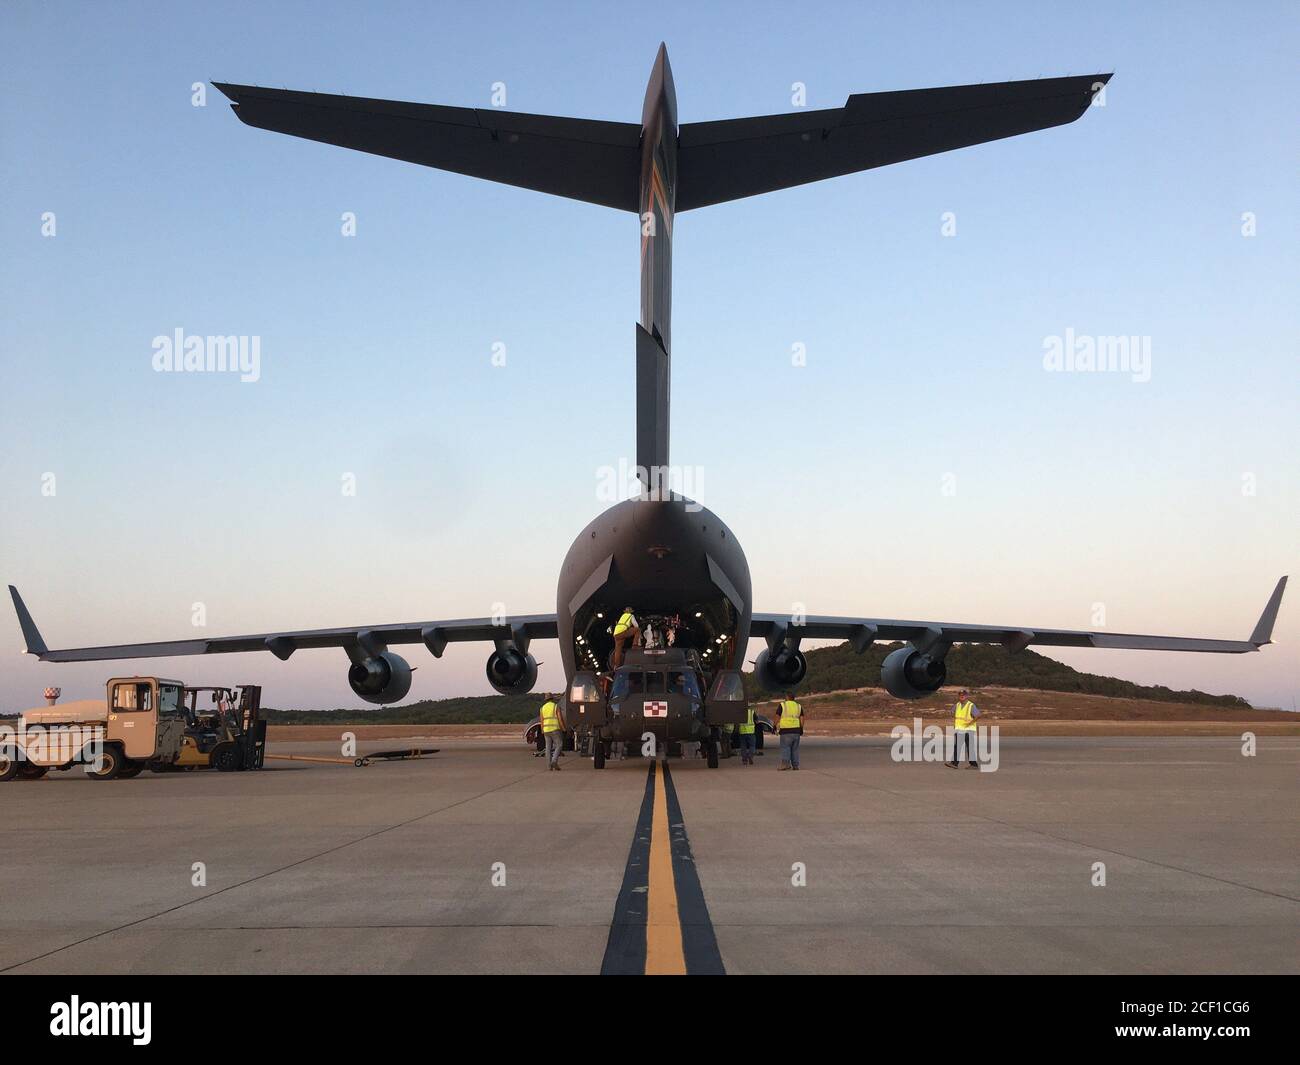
pixel 909 674
pixel 781 670
pixel 383 678
pixel 511 672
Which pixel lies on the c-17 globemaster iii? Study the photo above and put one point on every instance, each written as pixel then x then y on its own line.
pixel 675 563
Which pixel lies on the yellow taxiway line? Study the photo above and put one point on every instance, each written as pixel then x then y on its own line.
pixel 663 933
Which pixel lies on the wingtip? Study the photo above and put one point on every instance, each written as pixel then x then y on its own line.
pixel 31 634
pixel 1263 633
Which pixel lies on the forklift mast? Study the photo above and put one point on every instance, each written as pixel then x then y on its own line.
pixel 252 727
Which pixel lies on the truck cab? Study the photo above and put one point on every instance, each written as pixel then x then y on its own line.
pixel 140 723
pixel 146 720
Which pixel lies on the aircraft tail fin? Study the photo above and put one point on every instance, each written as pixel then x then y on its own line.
pixel 652 392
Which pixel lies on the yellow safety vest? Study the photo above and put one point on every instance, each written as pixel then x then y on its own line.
pixel 965 723
pixel 550 716
pixel 624 623
pixel 790 714
pixel 747 729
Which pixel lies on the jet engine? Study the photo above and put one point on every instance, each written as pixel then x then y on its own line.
pixel 909 674
pixel 511 672
pixel 382 678
pixel 781 669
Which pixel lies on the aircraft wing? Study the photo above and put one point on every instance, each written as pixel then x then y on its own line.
pixel 435 635
pixel 583 159
pixel 928 635
pixel 731 159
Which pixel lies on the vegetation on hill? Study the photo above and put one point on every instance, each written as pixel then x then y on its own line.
pixel 472 710
pixel 981 665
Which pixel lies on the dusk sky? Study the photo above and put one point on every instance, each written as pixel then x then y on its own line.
pixel 925 463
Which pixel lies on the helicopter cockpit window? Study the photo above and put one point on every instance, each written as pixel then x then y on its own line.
pixel 683 684
pixel 728 688
pixel 627 684
pixel 584 689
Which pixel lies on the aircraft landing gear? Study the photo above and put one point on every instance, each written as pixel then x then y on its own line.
pixel 598 754
pixel 711 748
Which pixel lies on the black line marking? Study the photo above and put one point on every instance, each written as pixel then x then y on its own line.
pixel 625 948
pixel 699 944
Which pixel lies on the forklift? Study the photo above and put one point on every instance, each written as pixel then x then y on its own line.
pixel 227 734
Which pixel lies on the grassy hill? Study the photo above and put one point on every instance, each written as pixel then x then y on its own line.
pixel 829 669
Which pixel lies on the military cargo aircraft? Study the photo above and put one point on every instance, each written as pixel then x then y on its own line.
pixel 667 557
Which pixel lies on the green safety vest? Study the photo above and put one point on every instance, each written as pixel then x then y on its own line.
pixel 747 729
pixel 790 714
pixel 624 623
pixel 965 722
pixel 550 716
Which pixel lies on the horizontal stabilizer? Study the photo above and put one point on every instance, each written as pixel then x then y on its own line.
pixel 728 160
pixel 598 162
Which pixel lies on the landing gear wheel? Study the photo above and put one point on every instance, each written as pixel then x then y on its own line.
pixel 110 763
pixel 711 749
pixel 598 754
pixel 32 772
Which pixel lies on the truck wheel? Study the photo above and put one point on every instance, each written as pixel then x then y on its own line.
pixel 226 758
pixel 32 772
pixel 8 764
pixel 111 759
pixel 598 754
pixel 129 770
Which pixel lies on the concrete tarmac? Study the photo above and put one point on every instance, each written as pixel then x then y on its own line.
pixel 477 860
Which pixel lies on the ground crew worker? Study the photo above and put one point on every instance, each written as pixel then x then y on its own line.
pixel 553 728
pixel 790 728
pixel 626 628
pixel 746 731
pixel 965 729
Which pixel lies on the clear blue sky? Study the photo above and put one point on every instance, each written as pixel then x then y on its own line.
pixel 924 352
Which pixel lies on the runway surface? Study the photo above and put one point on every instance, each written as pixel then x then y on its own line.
pixel 477 860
